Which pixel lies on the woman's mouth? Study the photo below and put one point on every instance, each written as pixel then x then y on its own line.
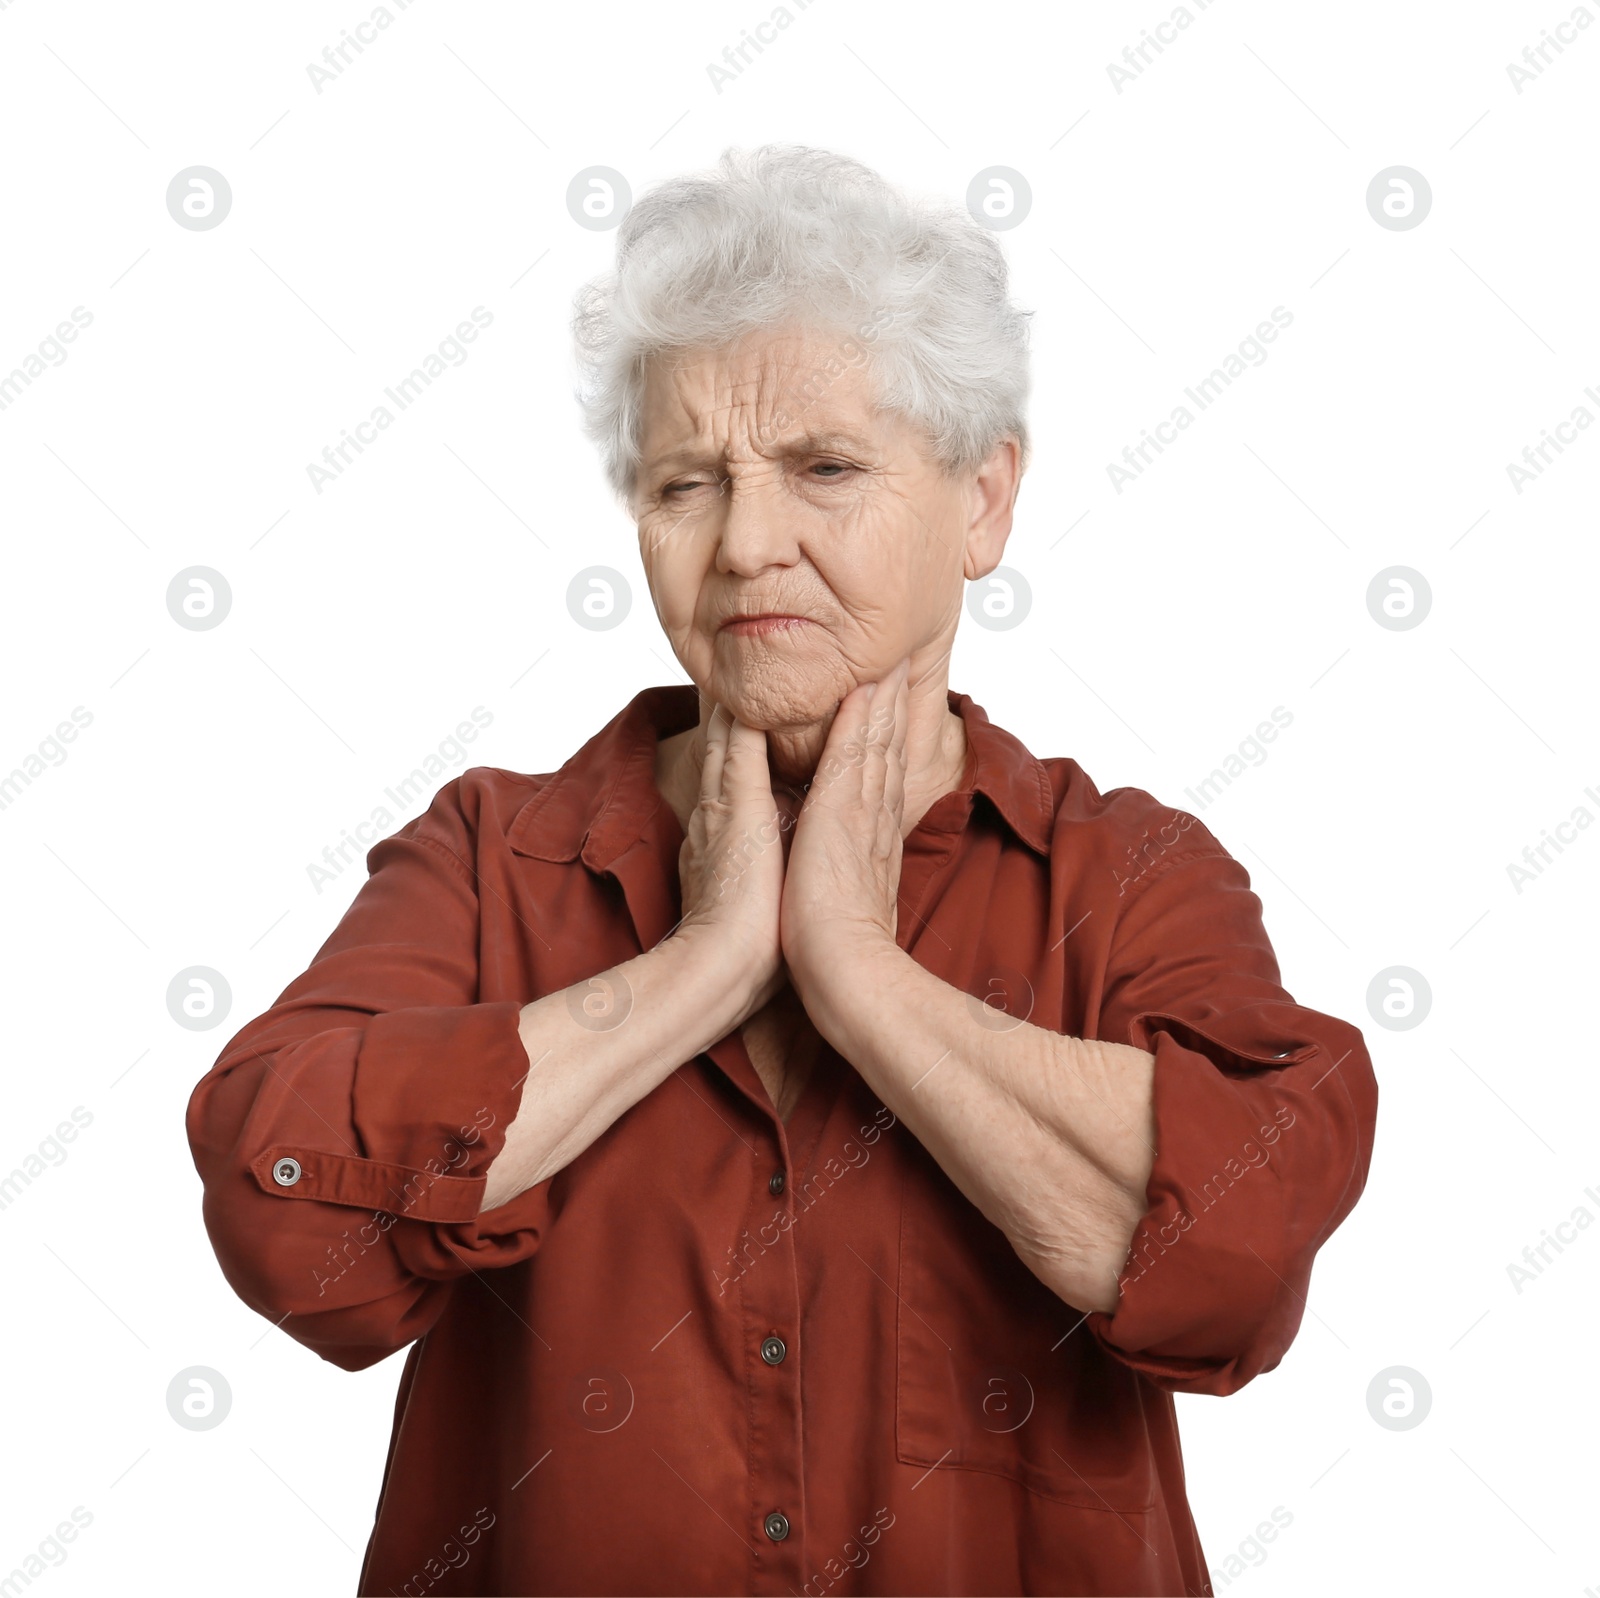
pixel 764 625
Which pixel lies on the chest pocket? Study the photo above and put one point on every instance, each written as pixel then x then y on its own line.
pixel 992 1373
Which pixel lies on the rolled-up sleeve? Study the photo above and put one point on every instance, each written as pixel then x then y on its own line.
pixel 343 1136
pixel 1264 1113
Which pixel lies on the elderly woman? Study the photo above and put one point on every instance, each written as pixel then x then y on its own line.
pixel 806 1140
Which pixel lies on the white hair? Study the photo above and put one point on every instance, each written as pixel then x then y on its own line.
pixel 787 235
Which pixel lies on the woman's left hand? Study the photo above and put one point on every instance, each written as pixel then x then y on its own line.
pixel 842 883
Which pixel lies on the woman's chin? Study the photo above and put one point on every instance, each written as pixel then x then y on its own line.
pixel 780 702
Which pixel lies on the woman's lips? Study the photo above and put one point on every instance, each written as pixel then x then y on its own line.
pixel 757 626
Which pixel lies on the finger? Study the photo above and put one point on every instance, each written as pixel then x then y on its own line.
pixel 886 733
pixel 894 788
pixel 886 714
pixel 868 743
pixel 877 724
pixel 853 713
pixel 902 708
pixel 875 751
pixel 716 751
pixel 744 771
pixel 874 783
pixel 833 764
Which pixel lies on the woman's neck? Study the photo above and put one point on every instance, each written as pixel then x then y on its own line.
pixel 936 753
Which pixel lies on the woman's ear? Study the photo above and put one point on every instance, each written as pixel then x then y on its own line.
pixel 993 495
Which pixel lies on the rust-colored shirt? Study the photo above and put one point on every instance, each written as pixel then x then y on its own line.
pixel 718 1353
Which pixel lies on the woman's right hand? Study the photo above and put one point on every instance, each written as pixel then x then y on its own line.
pixel 731 865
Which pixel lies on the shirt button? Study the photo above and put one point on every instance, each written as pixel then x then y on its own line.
pixel 773 1350
pixel 286 1172
pixel 777 1526
pixel 775 1183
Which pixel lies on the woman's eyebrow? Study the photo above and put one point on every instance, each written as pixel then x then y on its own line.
pixel 810 443
pixel 825 442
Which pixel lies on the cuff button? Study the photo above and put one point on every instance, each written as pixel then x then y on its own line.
pixel 286 1172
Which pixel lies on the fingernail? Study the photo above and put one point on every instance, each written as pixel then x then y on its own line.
pixel 872 688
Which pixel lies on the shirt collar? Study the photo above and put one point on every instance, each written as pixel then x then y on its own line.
pixel 599 803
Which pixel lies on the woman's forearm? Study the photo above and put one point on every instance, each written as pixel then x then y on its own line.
pixel 598 1047
pixel 1049 1136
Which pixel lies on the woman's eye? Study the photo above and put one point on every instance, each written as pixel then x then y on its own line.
pixel 832 472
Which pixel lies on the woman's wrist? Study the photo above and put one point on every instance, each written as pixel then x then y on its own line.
pixel 729 972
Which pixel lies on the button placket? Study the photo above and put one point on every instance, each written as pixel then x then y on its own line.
pixel 770 1299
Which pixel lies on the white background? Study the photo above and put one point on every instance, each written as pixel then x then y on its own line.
pixel 1167 220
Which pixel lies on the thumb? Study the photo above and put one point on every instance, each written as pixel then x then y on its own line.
pixel 746 764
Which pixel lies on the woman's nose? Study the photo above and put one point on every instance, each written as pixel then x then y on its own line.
pixel 757 527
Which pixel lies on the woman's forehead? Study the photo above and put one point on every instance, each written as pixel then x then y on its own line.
pixel 793 369
pixel 786 396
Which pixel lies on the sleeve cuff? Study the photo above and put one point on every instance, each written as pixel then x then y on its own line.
pixel 434 1089
pixel 398 1190
pixel 1199 1294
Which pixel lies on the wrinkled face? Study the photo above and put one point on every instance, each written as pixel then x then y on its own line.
pixel 796 540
